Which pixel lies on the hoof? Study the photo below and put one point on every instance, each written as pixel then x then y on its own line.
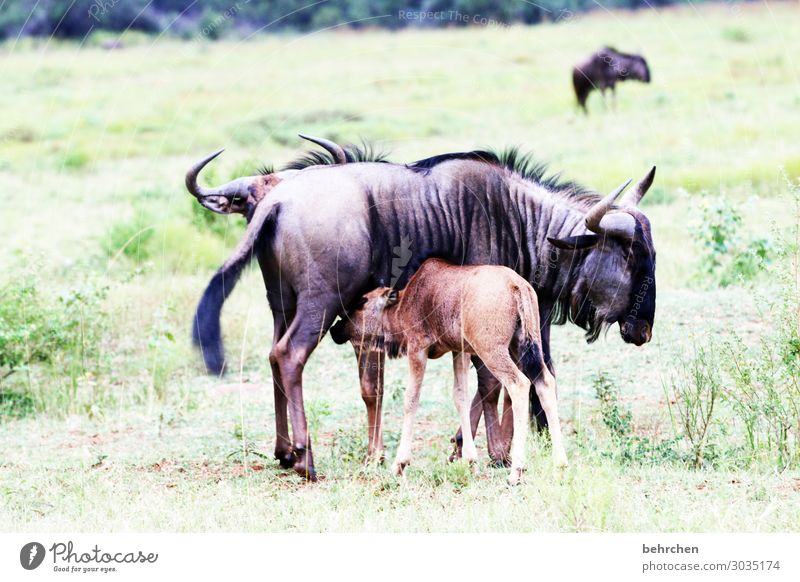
pixel 304 466
pixel 286 459
pixel 398 468
pixel 376 458
pixel 515 477
pixel 500 462
pixel 307 473
pixel 456 454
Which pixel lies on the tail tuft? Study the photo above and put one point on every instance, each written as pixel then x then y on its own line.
pixel 531 362
pixel 206 332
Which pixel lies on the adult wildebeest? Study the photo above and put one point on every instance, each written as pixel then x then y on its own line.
pixel 488 311
pixel 324 235
pixel 603 69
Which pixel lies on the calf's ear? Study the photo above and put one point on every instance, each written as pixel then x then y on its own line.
pixel 575 243
pixel 392 297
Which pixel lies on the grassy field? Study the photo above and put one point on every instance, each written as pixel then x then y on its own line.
pixel 130 435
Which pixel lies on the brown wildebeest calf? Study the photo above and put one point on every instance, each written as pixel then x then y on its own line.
pixel 488 311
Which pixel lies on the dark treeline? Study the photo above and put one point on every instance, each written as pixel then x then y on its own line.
pixel 216 18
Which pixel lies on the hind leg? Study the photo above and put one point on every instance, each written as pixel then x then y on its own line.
pixel 461 399
pixel 475 412
pixel 290 354
pixel 283 446
pixel 546 389
pixel 501 364
pixel 489 390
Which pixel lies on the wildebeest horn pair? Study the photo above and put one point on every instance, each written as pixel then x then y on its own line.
pixel 240 188
pixel 619 224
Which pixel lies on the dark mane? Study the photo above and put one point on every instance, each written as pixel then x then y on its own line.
pixel 425 166
pixel 522 164
pixel 266 170
pixel 354 153
pixel 611 49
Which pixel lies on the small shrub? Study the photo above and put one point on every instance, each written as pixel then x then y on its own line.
pixel 161 344
pixel 727 257
pixel 29 327
pixel 55 340
pixel 693 393
pixel 75 160
pixel 628 446
pixel 16 404
pixel 736 34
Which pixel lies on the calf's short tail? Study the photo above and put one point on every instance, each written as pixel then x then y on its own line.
pixel 531 358
pixel 206 332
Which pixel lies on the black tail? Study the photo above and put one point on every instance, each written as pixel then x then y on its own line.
pixel 206 332
pixel 531 362
pixel 582 87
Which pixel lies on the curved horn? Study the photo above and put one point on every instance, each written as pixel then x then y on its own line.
pixel 635 196
pixel 598 211
pixel 333 149
pixel 239 187
pixel 619 224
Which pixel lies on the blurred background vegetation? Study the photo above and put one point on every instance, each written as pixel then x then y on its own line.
pixel 215 18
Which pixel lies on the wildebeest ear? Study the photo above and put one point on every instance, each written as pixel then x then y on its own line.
pixel 575 243
pixel 392 296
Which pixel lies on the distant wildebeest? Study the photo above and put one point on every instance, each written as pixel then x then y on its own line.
pixel 603 69
pixel 487 311
pixel 325 232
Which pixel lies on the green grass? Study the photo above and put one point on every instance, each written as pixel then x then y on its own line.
pixel 94 156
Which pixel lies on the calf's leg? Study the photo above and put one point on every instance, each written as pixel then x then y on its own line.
pixel 546 389
pixel 370 374
pixel 485 401
pixel 461 399
pixel 517 385
pixel 416 364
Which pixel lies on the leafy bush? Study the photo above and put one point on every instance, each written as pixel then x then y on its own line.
pixel 727 257
pixel 59 336
pixel 628 446
pixel 28 332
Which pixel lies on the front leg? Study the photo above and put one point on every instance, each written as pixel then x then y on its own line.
pixel 370 374
pixel 416 362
